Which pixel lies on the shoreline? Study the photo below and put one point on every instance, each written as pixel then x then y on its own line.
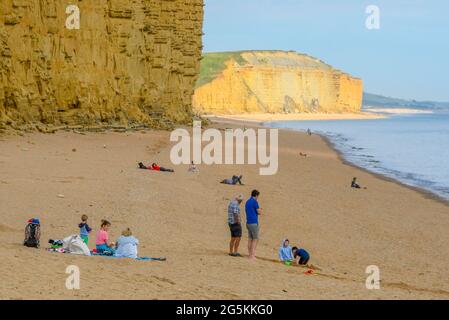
pixel 425 192
pixel 270 117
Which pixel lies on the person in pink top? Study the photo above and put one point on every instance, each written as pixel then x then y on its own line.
pixel 102 245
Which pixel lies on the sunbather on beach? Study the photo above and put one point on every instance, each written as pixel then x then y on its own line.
pixel 155 167
pixel 102 245
pixel 233 181
pixel 158 168
pixel 301 256
pixel 285 251
pixel 126 246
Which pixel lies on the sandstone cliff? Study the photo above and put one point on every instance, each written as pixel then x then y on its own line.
pixel 273 82
pixel 131 62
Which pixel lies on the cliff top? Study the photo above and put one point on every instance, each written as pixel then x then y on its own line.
pixel 212 64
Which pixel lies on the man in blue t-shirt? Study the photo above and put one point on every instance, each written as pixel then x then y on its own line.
pixel 253 211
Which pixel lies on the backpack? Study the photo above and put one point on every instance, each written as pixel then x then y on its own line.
pixel 32 235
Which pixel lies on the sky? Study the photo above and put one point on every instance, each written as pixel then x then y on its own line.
pixel 407 57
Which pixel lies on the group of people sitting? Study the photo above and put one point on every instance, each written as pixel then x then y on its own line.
pixel 124 247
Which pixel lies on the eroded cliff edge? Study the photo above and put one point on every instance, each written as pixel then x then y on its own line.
pixel 131 62
pixel 274 82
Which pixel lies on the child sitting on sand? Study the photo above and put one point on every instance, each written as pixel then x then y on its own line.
pixel 193 168
pixel 84 229
pixel 285 251
pixel 102 239
pixel 127 245
pixel 301 256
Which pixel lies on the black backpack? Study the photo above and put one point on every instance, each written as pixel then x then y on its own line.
pixel 32 235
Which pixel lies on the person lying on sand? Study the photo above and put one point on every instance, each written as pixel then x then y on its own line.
pixel 301 256
pixel 158 168
pixel 285 251
pixel 126 246
pixel 233 181
pixel 102 245
pixel 155 167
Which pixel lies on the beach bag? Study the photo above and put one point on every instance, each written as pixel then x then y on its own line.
pixel 32 235
pixel 75 245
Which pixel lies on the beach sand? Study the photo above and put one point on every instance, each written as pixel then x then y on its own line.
pixel 183 216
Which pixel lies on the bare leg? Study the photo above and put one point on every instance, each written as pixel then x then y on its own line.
pixel 231 245
pixel 253 249
pixel 236 245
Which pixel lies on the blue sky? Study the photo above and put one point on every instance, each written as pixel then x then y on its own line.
pixel 408 57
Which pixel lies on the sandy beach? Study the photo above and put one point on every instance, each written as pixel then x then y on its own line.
pixel 268 117
pixel 182 216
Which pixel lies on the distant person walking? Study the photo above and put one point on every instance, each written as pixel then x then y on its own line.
pixel 235 225
pixel 253 211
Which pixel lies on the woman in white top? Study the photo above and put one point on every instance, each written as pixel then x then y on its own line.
pixel 127 245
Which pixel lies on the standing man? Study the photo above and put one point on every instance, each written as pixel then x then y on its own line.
pixel 235 225
pixel 252 222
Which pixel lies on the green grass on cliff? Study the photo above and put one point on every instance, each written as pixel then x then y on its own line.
pixel 213 64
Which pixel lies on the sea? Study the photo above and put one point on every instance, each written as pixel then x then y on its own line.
pixel 411 148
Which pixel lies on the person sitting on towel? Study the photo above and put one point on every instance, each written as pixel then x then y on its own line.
pixel 155 167
pixel 126 245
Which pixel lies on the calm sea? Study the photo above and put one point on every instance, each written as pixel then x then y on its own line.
pixel 413 149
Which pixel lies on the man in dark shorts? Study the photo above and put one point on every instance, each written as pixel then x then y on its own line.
pixel 301 255
pixel 234 222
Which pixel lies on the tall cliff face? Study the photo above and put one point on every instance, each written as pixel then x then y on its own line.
pixel 273 82
pixel 131 61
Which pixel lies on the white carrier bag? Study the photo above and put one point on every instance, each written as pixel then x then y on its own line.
pixel 75 245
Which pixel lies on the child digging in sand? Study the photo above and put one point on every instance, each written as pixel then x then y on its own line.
pixel 84 229
pixel 301 256
pixel 102 239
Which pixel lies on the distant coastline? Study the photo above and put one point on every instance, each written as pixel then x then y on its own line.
pixel 396 110
pixel 269 117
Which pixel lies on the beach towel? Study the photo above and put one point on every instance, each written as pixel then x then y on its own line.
pixel 75 245
pixel 138 258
